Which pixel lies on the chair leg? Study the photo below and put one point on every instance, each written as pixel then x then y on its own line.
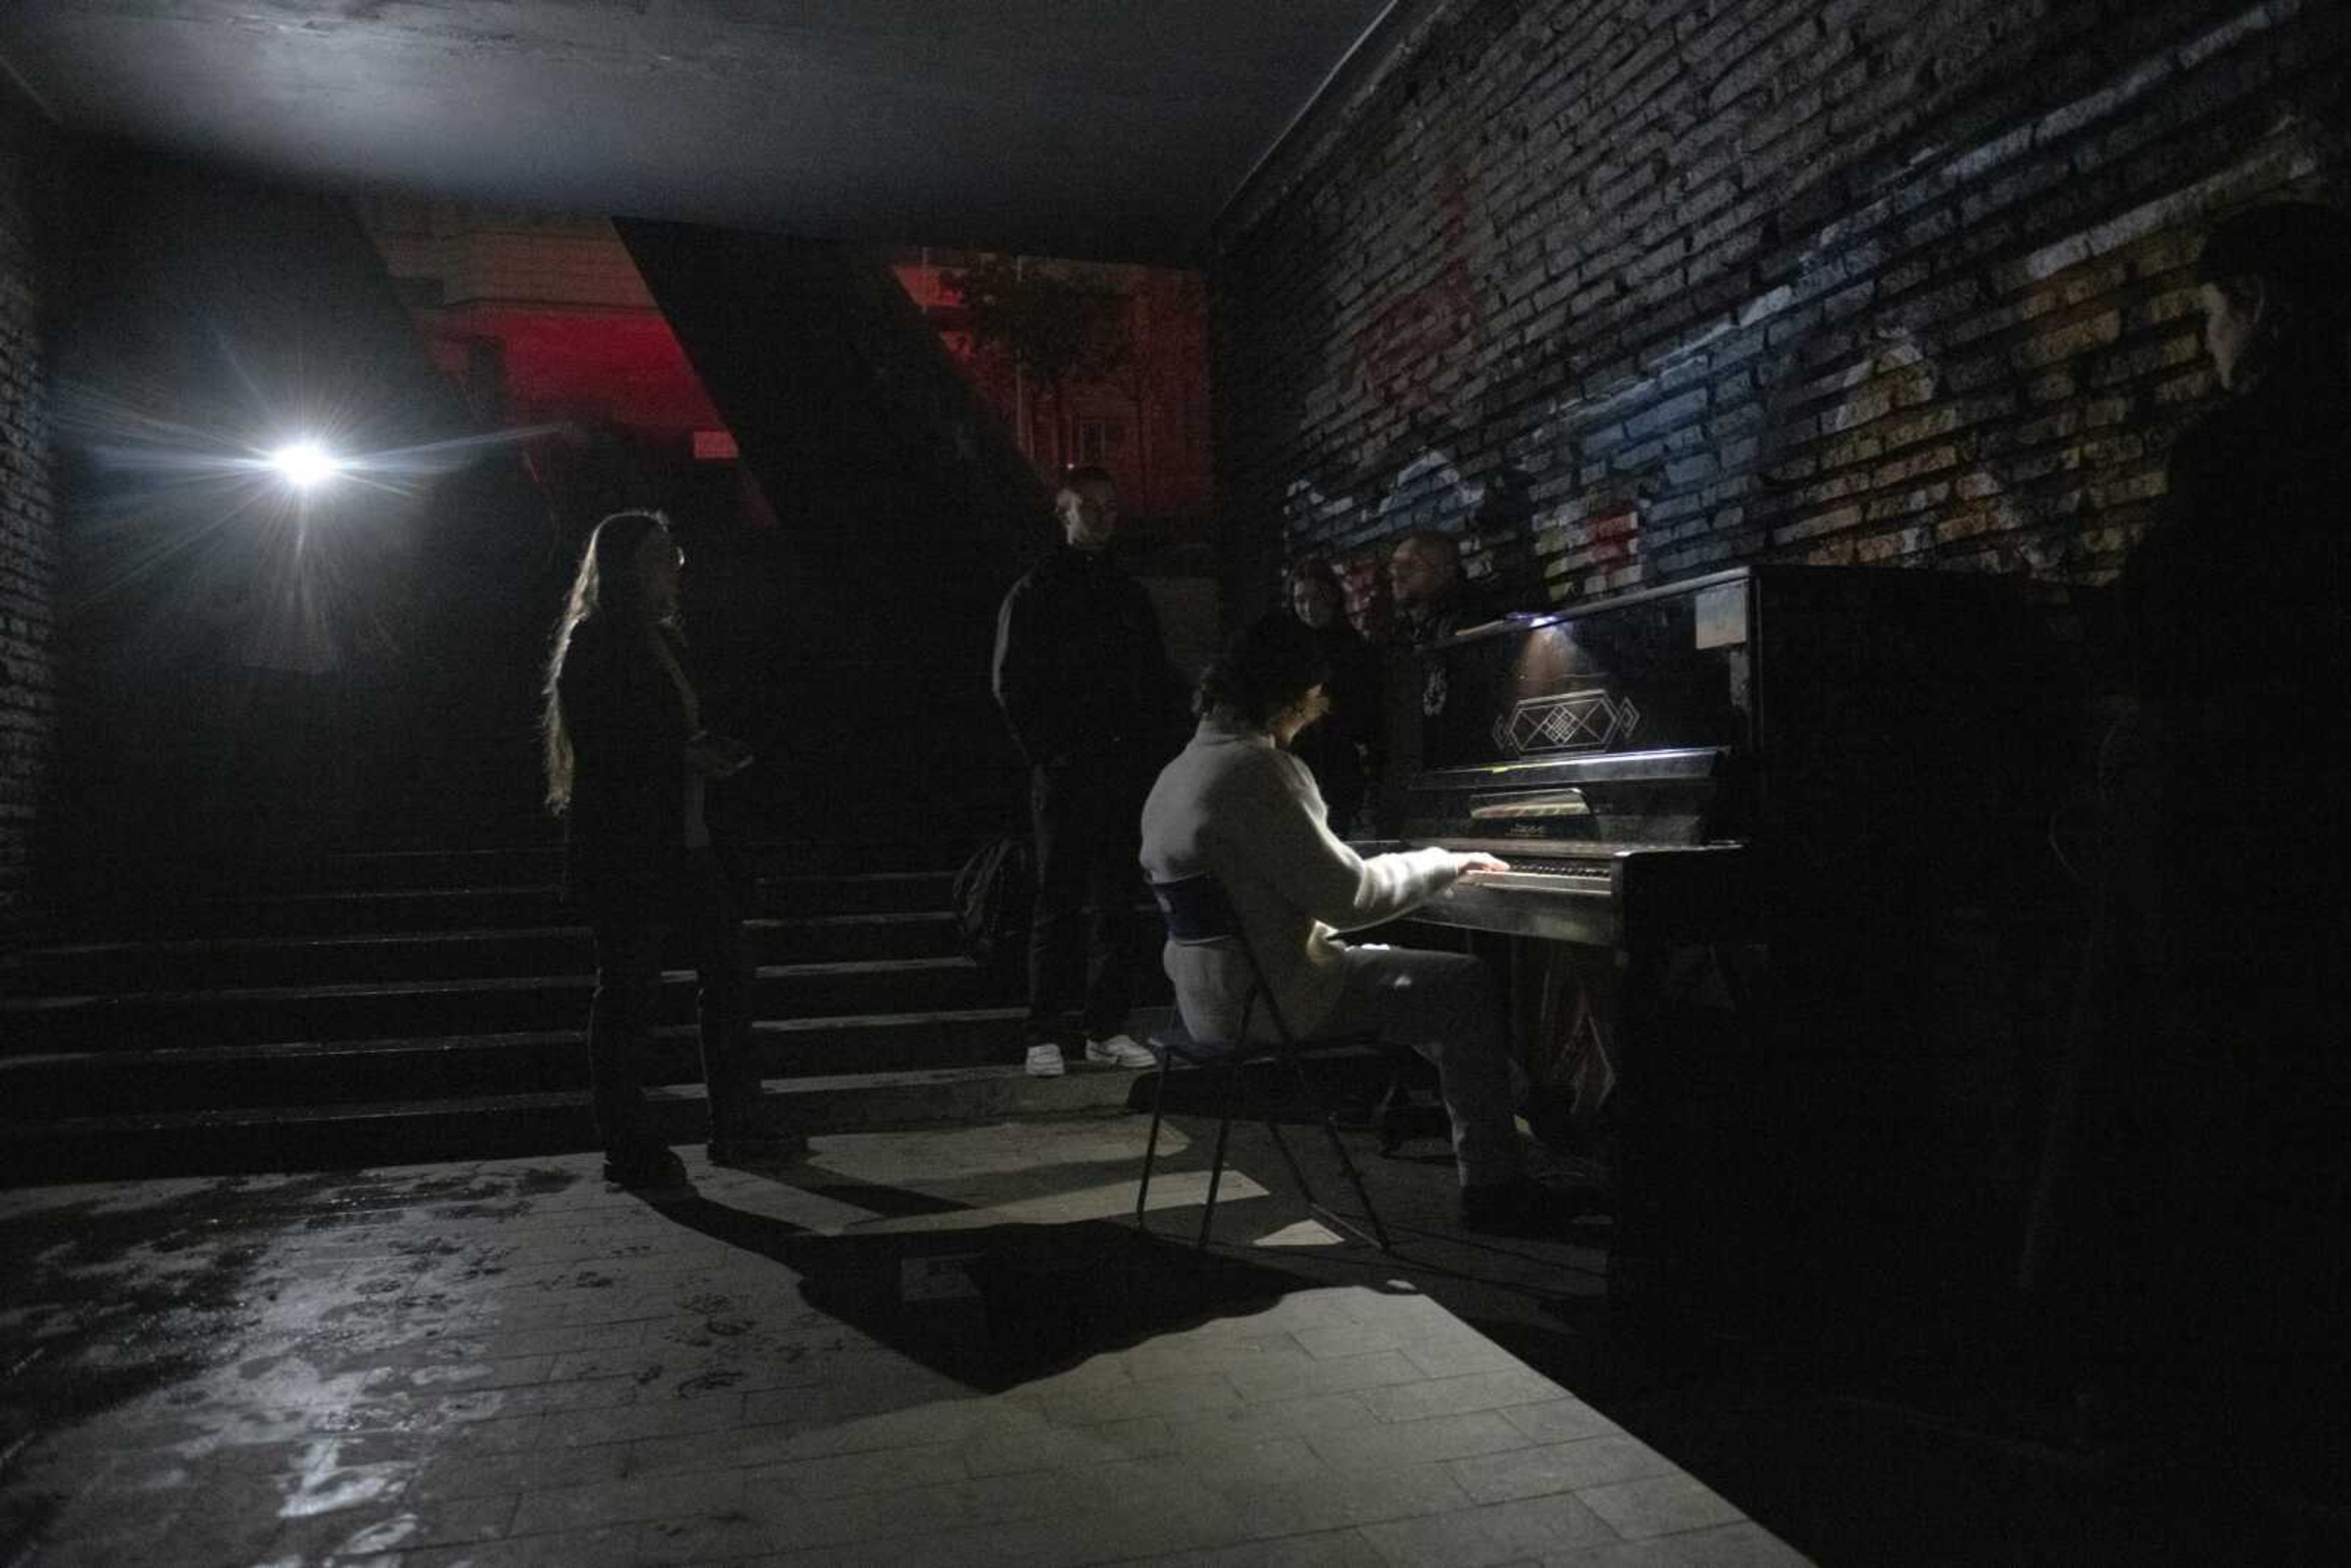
pixel 1151 1146
pixel 1217 1161
pixel 1389 1114
pixel 1321 1108
pixel 1297 1171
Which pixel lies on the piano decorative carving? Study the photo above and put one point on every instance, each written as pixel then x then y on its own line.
pixel 1579 721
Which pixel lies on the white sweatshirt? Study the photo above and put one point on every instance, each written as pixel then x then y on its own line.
pixel 1235 804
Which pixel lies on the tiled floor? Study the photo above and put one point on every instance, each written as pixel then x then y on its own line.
pixel 943 1347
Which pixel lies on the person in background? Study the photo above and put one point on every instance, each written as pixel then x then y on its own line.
pixel 1433 600
pixel 1082 673
pixel 1236 805
pixel 627 760
pixel 2188 1232
pixel 1342 747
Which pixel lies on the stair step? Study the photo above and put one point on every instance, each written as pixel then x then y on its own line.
pixel 184 964
pixel 192 1078
pixel 462 905
pixel 337 914
pixel 410 1005
pixel 561 1121
pixel 488 1004
pixel 504 1126
pixel 396 870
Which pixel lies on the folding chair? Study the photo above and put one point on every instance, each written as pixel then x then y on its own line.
pixel 1198 914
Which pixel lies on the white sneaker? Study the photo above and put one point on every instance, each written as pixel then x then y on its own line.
pixel 1119 1051
pixel 1045 1060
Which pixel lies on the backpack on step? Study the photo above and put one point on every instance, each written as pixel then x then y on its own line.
pixel 994 894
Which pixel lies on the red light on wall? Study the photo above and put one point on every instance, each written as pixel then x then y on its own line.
pixel 716 446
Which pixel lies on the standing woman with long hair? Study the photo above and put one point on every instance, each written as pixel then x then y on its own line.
pixel 1342 747
pixel 627 762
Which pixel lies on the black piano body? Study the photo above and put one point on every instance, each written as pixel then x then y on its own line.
pixel 1800 775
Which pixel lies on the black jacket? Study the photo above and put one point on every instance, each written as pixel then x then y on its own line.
pixel 1080 665
pixel 1329 746
pixel 2227 801
pixel 2235 606
pixel 2195 1145
pixel 1458 609
pixel 624 832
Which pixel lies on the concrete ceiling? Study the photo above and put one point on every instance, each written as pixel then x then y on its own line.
pixel 1112 128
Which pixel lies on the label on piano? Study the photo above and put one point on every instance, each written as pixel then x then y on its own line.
pixel 1722 615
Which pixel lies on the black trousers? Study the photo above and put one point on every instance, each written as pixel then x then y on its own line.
pixel 2185 1238
pixel 1087 813
pixel 700 907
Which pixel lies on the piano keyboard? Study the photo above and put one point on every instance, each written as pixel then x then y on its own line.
pixel 1532 873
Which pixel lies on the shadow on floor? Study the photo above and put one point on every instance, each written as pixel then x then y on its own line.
pixel 1874 1409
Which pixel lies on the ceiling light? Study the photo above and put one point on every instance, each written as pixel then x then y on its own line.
pixel 305 464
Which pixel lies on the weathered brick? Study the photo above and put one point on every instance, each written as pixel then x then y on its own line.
pixel 28 540
pixel 1692 232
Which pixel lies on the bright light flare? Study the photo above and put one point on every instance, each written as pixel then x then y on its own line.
pixel 305 464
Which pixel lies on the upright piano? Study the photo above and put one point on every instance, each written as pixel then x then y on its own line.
pixel 1773 785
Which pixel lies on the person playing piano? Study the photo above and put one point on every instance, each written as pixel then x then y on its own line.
pixel 1236 805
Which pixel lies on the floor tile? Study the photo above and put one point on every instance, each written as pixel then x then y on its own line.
pixel 1490 1535
pixel 1439 1438
pixel 1657 1505
pixel 1559 1466
pixel 485 1365
pixel 1558 1419
pixel 640 1496
pixel 1743 1545
pixel 1345 1498
pixel 1470 1391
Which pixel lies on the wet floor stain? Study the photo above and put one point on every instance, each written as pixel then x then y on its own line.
pixel 184 1308
pixel 710 1381
pixel 119 1301
pixel 286 1372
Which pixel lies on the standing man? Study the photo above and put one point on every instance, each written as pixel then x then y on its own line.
pixel 1432 603
pixel 1432 599
pixel 1081 674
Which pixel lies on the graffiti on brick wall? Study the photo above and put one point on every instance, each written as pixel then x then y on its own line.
pixel 1390 357
pixel 1402 366
pixel 1394 359
pixel 1357 521
pixel 1926 377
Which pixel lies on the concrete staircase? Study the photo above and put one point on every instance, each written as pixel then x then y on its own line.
pixel 429 1005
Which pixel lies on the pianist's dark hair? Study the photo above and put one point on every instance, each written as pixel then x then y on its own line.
pixel 2301 254
pixel 1267 666
pixel 606 583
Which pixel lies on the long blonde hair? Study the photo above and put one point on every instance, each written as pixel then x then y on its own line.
pixel 606 583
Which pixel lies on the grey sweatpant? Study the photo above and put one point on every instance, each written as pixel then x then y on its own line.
pixel 1444 1006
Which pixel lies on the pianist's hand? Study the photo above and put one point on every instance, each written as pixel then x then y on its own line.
pixel 1472 864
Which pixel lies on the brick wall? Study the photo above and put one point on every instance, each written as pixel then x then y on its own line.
pixel 1628 289
pixel 28 540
